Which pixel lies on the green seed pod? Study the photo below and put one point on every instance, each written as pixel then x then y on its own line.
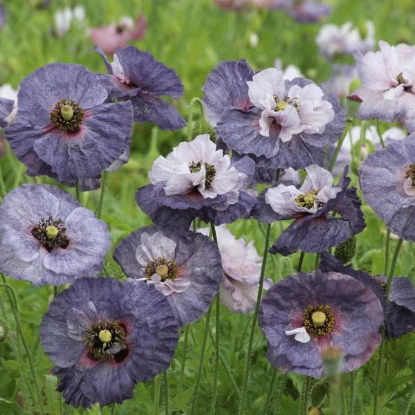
pixel 346 251
pixel 203 127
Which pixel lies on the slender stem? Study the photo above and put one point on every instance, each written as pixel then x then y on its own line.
pixel 226 367
pixel 410 397
pixel 78 191
pixel 387 244
pixel 166 392
pixel 185 341
pixel 112 408
pixel 270 390
pixel 15 311
pixel 157 386
pixel 339 145
pixel 280 391
pixel 202 358
pixel 254 321
pixel 101 196
pixel 304 396
pixel 382 345
pixel 300 261
pixel 216 366
pixel 380 134
pixel 352 393
pixel 190 119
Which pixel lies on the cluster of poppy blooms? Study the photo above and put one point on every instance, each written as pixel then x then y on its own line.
pixel 104 335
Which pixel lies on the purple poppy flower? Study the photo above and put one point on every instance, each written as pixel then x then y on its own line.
pixel 6 107
pixel 47 237
pixel 304 314
pixel 104 336
pixel 388 84
pixel 309 11
pixel 290 120
pixel 399 310
pixel 195 180
pixel 387 179
pixel 64 128
pixel 314 228
pixel 241 271
pixel 183 265
pixel 137 76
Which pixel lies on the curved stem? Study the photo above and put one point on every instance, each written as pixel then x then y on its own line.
pixel 202 358
pixel 339 145
pixel 190 119
pixel 101 196
pixel 185 341
pixel 254 321
pixel 270 391
pixel 15 311
pixel 300 261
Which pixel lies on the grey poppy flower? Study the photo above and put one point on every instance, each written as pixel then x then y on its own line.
pixel 304 314
pixel 47 237
pixel 104 336
pixel 185 266
pixel 64 128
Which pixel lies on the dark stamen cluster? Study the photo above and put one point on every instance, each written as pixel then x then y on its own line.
pixel 401 80
pixel 105 340
pixel 166 268
pixel 318 330
pixel 51 234
pixel 210 171
pixel 307 199
pixel 70 124
pixel 410 172
pixel 380 282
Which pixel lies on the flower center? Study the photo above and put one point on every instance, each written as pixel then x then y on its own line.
pixel 318 320
pixel 280 105
pixel 67 116
pixel 166 268
pixel 210 171
pixel 106 340
pixel 51 234
pixel 307 199
pixel 410 173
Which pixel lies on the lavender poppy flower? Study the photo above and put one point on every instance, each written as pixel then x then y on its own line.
pixel 241 271
pixel 399 310
pixel 137 76
pixel 64 128
pixel 290 120
pixel 388 84
pixel 314 228
pixel 195 180
pixel 47 237
pixel 104 336
pixel 387 179
pixel 183 265
pixel 304 314
pixel 309 11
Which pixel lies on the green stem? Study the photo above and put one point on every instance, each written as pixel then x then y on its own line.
pixel 185 341
pixel 280 391
pixel 101 196
pixel 157 386
pixel 226 367
pixel 387 244
pixel 380 134
pixel 216 366
pixel 112 408
pixel 78 191
pixel 270 390
pixel 352 393
pixel 339 145
pixel 202 358
pixel 304 396
pixel 15 310
pixel 190 119
pixel 166 392
pixel 300 261
pixel 392 270
pixel 254 321
pixel 410 397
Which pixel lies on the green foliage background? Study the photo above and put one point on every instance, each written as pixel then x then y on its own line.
pixel 193 36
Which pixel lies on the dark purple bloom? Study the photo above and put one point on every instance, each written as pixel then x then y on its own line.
pixel 304 314
pixel 47 237
pixel 137 76
pixel 289 120
pixel 64 128
pixel 193 180
pixel 104 336
pixel 185 266
pixel 6 107
pixel 314 228
pixel 387 179
pixel 399 310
